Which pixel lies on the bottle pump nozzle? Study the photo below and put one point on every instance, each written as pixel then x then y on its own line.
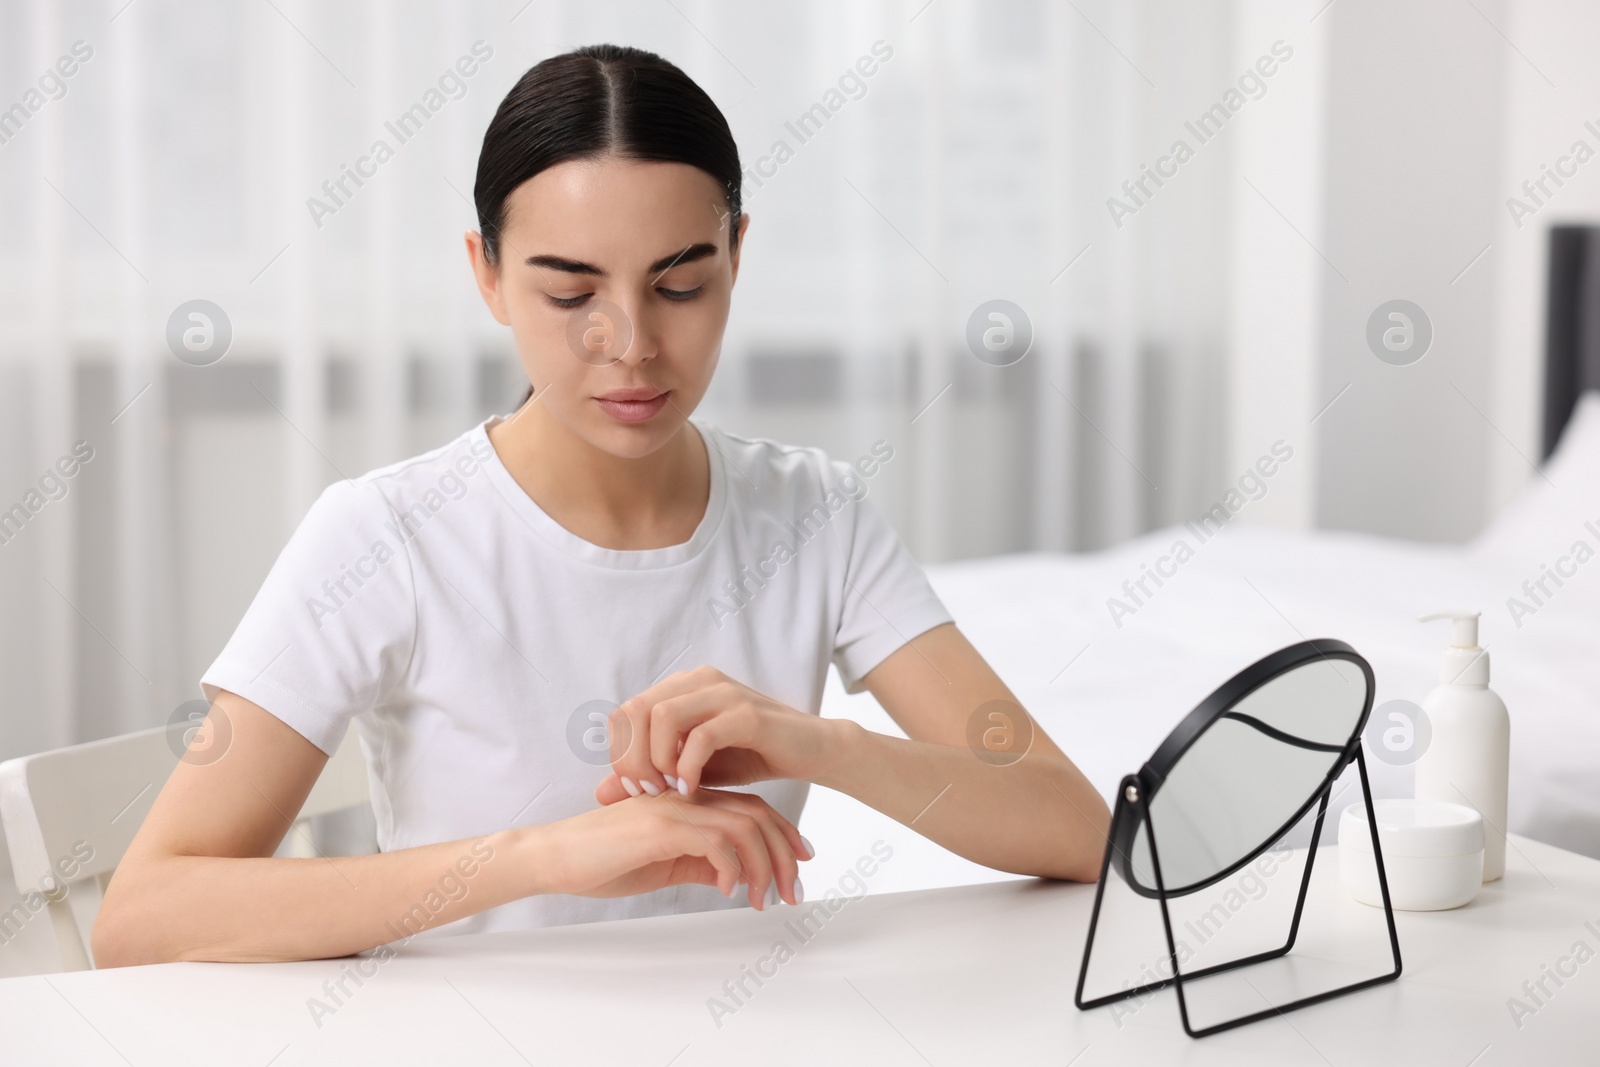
pixel 1466 626
pixel 1463 663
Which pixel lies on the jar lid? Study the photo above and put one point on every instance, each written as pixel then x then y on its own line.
pixel 1409 827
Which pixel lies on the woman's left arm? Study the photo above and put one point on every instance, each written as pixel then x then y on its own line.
pixel 975 773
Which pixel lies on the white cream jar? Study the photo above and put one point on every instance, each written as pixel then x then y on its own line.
pixel 1432 853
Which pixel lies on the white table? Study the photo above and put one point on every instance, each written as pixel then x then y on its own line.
pixel 978 974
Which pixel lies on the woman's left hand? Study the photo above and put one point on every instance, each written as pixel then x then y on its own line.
pixel 700 727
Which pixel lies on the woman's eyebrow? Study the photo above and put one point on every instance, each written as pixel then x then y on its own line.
pixel 665 263
pixel 688 255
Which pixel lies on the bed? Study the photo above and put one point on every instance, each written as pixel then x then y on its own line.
pixel 1108 693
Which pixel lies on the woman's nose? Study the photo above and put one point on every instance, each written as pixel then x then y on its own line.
pixel 603 332
pixel 635 338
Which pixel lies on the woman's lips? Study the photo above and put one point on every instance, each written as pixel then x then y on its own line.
pixel 632 410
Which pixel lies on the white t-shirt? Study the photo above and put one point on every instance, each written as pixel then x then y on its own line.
pixel 479 644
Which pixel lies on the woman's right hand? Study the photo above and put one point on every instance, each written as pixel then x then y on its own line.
pixel 715 837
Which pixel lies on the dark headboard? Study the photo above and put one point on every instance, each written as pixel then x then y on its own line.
pixel 1572 326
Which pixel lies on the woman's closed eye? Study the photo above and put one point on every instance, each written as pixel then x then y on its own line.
pixel 676 295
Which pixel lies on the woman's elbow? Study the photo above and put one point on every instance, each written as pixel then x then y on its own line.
pixel 1086 843
pixel 109 945
pixel 118 937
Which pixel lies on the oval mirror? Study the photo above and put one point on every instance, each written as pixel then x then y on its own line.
pixel 1245 765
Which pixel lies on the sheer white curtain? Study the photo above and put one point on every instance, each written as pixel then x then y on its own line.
pixel 176 163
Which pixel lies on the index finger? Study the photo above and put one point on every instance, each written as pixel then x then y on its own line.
pixel 630 738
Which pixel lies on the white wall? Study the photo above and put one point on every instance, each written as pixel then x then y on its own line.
pixel 1278 207
pixel 1413 148
pixel 1392 151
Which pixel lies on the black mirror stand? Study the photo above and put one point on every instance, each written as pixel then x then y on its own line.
pixel 1131 804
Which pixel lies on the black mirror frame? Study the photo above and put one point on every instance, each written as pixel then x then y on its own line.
pixel 1208 713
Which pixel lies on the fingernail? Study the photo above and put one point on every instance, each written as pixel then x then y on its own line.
pixel 650 787
pixel 630 785
pixel 683 786
pixel 799 892
pixel 811 851
pixel 673 782
pixel 772 895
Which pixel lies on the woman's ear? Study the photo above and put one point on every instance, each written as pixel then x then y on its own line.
pixel 738 246
pixel 487 277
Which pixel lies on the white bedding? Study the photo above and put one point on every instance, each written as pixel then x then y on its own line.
pixel 1249 591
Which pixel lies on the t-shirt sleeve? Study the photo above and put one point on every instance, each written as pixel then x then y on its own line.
pixel 887 599
pixel 332 627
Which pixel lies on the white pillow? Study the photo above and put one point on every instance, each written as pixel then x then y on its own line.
pixel 1551 513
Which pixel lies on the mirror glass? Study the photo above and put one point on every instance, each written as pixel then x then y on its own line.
pixel 1253 770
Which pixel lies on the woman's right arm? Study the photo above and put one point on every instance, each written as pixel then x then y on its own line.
pixel 200 882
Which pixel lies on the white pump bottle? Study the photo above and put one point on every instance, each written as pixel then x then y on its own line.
pixel 1468 759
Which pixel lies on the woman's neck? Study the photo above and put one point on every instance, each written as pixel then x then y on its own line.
pixel 611 501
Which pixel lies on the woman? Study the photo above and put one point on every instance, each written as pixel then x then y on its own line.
pixel 479 609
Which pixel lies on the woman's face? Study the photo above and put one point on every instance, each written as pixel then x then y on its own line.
pixel 615 277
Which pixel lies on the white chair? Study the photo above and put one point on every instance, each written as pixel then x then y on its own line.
pixel 53 804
